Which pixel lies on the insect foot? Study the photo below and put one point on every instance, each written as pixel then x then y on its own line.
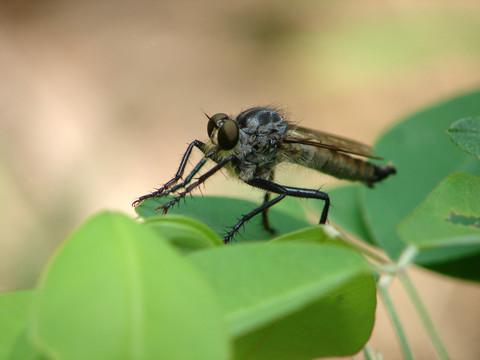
pixel 229 236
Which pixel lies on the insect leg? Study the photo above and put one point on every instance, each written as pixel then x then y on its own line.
pixel 200 180
pixel 283 191
pixel 189 177
pixel 265 222
pixel 296 192
pixel 251 214
pixel 177 176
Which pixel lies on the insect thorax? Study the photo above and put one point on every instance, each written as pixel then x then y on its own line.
pixel 258 150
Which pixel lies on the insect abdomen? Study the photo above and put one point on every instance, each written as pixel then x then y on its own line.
pixel 343 166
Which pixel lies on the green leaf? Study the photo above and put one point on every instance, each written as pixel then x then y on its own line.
pixel 339 324
pixel 220 214
pixel 465 133
pixel 116 290
pixel 286 295
pixel 423 156
pixel 184 233
pixel 24 349
pixel 449 216
pixel 15 312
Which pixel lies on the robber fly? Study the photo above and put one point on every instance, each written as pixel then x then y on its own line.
pixel 252 144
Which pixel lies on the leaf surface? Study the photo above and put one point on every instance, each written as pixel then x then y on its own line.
pixel 273 290
pixel 116 286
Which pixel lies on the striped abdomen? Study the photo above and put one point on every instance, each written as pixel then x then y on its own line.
pixel 338 164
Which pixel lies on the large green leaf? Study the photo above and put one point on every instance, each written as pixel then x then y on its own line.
pixel 301 300
pixel 449 216
pixel 116 290
pixel 14 315
pixel 465 133
pixel 24 349
pixel 221 214
pixel 423 156
pixel 336 325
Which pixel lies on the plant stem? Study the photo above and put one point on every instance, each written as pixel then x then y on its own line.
pixel 407 257
pixel 366 251
pixel 369 354
pixel 385 295
pixel 427 323
pixel 360 246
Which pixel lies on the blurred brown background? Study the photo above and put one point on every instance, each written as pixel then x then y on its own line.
pixel 98 100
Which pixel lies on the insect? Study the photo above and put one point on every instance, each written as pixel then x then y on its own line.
pixel 253 143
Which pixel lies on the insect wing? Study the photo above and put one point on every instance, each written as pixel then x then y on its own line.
pixel 302 135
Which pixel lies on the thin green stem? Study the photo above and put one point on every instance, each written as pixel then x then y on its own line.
pixel 366 251
pixel 422 312
pixel 369 354
pixel 406 258
pixel 387 300
pixel 355 245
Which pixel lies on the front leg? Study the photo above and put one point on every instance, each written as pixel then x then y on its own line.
pixel 178 175
pixel 188 179
pixel 200 181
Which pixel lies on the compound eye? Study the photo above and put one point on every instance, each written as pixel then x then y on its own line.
pixel 228 135
pixel 219 116
pixel 212 122
pixel 211 125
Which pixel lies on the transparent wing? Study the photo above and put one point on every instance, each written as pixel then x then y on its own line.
pixel 302 135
